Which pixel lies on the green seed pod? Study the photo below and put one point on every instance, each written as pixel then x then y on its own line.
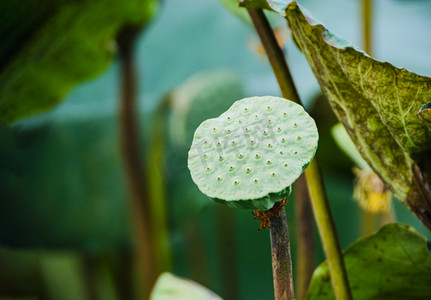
pixel 250 155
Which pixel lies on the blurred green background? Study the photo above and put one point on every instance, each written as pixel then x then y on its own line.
pixel 63 195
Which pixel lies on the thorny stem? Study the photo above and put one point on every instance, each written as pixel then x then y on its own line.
pixel 136 180
pixel 281 258
pixel 319 200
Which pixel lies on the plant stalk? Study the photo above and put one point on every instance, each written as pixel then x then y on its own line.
pixel 157 191
pixel 326 226
pixel 275 55
pixel 226 238
pixel 367 25
pixel 305 245
pixel 368 220
pixel 135 176
pixel 319 200
pixel 281 258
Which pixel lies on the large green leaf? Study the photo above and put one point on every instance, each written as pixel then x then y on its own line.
pixel 49 46
pixel 378 105
pixel 394 263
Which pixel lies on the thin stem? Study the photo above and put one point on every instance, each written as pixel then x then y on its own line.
pixel 367 25
pixel 157 191
pixel 136 180
pixel 326 226
pixel 368 219
pixel 275 55
pixel 319 199
pixel 281 258
pixel 227 251
pixel 305 237
pixel 196 256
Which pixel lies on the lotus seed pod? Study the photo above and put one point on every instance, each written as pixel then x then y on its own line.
pixel 250 155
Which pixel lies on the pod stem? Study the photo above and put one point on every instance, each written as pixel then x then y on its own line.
pixel 135 175
pixel 281 258
pixel 319 199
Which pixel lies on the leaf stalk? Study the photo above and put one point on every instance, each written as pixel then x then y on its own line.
pixel 135 175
